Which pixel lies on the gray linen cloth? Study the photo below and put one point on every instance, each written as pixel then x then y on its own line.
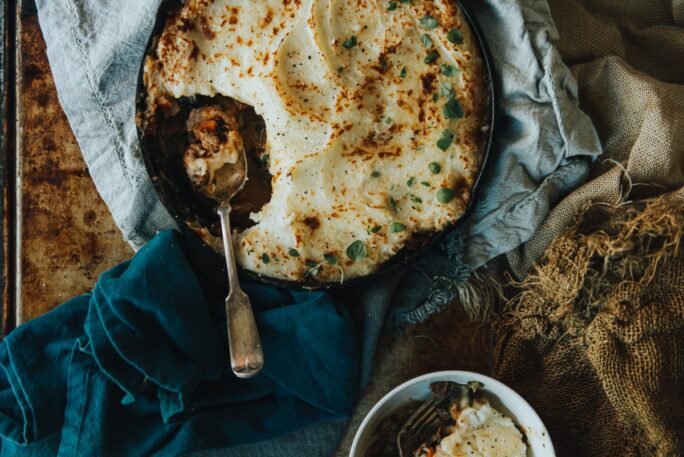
pixel 544 146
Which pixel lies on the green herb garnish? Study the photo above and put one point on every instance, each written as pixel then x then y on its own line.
pixel 445 195
pixel 453 109
pixel 403 72
pixel 415 199
pixel 435 97
pixel 445 141
pixel 396 227
pixel 388 120
pixel 375 174
pixel 340 69
pixel 427 42
pixel 435 168
pixel 425 183
pixel 410 181
pixel 392 6
pixel 376 229
pixel 357 250
pixel 314 268
pixel 350 42
pixel 394 206
pixel 429 22
pixel 293 252
pixel 447 70
pixel 265 258
pixel 431 57
pixel 455 36
pixel 446 90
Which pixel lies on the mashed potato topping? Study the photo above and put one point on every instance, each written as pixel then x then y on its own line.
pixel 482 431
pixel 373 113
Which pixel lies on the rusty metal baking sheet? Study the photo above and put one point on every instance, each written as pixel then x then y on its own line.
pixel 65 236
pixel 6 69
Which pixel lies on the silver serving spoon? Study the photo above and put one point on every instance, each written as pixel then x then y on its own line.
pixel 246 355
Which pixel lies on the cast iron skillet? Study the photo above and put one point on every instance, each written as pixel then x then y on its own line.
pixel 165 168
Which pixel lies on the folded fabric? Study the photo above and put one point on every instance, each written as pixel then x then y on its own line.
pixel 140 366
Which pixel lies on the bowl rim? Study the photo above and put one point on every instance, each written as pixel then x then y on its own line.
pixel 499 388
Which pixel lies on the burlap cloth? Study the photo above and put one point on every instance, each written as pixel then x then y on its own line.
pixel 593 335
pixel 595 338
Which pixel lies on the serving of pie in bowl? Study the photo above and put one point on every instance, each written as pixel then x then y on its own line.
pixel 365 124
pixel 471 415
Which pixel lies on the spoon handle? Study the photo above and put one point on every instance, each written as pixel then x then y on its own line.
pixel 246 355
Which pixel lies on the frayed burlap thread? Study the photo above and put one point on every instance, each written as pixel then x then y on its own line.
pixel 594 336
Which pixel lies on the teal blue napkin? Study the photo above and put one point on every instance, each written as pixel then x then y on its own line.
pixel 140 366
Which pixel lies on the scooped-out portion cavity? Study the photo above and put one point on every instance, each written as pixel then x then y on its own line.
pixel 206 134
pixel 363 124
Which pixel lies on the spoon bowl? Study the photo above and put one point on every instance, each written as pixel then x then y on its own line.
pixel 229 180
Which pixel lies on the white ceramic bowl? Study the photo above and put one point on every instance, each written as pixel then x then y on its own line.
pixel 502 397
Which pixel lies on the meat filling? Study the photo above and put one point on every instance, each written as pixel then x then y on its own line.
pixel 218 132
pixel 214 142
